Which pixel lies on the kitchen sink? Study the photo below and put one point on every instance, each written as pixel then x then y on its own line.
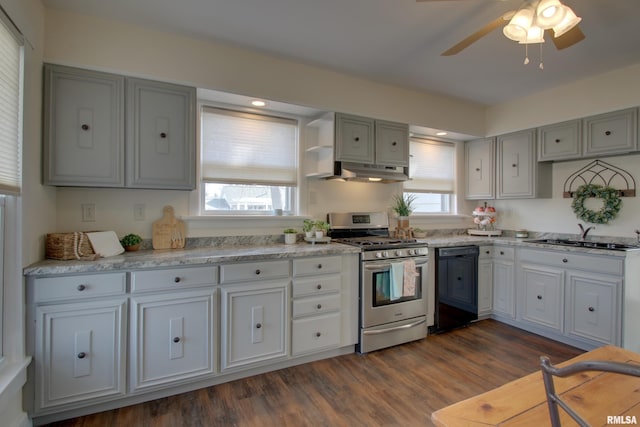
pixel 586 244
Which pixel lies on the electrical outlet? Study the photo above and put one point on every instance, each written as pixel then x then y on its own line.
pixel 88 212
pixel 138 212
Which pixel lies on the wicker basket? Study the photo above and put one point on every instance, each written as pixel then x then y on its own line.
pixel 69 246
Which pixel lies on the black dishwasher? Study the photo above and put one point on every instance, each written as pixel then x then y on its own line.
pixel 456 287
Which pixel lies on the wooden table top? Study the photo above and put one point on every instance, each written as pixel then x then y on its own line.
pixel 593 395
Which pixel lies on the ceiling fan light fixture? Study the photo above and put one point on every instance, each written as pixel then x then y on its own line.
pixel 535 34
pixel 518 26
pixel 569 21
pixel 549 13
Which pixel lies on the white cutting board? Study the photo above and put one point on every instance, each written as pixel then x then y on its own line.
pixel 105 243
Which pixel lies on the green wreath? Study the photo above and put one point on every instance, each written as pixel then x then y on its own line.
pixel 610 197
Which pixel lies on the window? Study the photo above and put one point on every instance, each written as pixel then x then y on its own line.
pixel 432 173
pixel 11 71
pixel 249 162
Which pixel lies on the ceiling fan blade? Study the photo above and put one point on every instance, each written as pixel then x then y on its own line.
pixel 459 47
pixel 568 39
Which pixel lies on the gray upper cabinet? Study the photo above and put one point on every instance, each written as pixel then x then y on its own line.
pixel 560 141
pixel 106 130
pixel 160 135
pixel 83 128
pixel 519 175
pixel 392 143
pixel 479 156
pixel 611 133
pixel 355 139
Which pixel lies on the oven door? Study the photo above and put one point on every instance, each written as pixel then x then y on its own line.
pixel 380 304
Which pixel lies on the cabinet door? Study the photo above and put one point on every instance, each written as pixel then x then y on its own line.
pixel 593 310
pixel 171 337
pixel 516 165
pixel 80 352
pixel 560 141
pixel 611 133
pixel 392 143
pixel 354 139
pixel 254 323
pixel 503 288
pixel 161 135
pixel 479 158
pixel 541 296
pixel 83 128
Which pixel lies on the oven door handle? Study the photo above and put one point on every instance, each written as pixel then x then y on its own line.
pixel 395 328
pixel 387 265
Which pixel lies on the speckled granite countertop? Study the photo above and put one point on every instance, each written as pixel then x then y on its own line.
pixel 214 252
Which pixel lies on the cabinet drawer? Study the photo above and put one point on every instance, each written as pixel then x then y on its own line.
pixel 504 253
pixel 254 271
pixel 316 305
pixel 74 287
pixel 173 278
pixel 316 285
pixel 485 252
pixel 315 333
pixel 317 265
pixel 596 263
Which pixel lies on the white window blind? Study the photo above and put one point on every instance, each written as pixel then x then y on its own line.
pixel 432 167
pixel 10 108
pixel 249 148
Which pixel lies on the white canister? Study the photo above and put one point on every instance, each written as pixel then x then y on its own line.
pixel 522 233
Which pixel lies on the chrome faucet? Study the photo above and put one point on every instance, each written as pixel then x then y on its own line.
pixel 584 231
pixel 638 235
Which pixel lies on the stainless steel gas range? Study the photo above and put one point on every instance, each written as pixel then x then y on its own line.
pixel 393 280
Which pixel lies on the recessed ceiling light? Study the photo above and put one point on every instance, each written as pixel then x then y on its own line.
pixel 441 133
pixel 258 103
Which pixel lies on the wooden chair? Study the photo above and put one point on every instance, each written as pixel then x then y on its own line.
pixel 554 400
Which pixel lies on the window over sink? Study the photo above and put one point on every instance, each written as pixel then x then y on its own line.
pixel 249 162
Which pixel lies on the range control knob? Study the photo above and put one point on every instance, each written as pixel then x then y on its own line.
pixel 385 254
pixel 379 255
pixel 398 253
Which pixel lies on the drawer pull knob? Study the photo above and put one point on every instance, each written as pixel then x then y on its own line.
pixel 163 135
pixel 591 309
pixel 258 325
pixel 176 339
pixel 394 143
pixel 557 140
pixel 514 165
pixel 258 271
pixel 318 334
pixel 319 286
pixel 487 252
pixel 319 306
pixel 477 169
pixel 82 355
pixel 501 252
pixel 82 287
pixel 539 297
pixel 357 138
pixel 565 260
pixel 608 133
pixel 319 266
pixel 176 279
pixel 85 127
pixel 459 278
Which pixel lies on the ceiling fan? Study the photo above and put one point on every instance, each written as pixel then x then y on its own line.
pixel 529 24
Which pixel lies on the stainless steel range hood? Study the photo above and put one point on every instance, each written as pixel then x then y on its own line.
pixel 368 173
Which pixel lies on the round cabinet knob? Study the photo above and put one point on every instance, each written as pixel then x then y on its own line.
pixel 319 286
pixel 81 287
pixel 608 133
pixel 319 266
pixel 176 279
pixel 394 143
pixel 85 127
pixel 487 252
pixel 514 165
pixel 591 309
pixel 318 334
pixel 163 135
pixel 82 355
pixel 557 140
pixel 565 260
pixel 539 297
pixel 459 278
pixel 176 339
pixel 319 306
pixel 477 169
pixel 258 271
pixel 258 325
pixel 357 138
pixel 501 252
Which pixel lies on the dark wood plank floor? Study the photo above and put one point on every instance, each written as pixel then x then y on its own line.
pixel 399 386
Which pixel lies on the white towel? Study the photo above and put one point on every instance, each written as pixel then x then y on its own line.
pixel 397 278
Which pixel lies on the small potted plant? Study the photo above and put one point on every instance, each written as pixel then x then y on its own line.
pixel 131 242
pixel 290 236
pixel 308 226
pixel 321 228
pixel 403 207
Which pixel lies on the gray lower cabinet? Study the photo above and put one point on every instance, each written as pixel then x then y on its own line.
pixel 571 297
pixel 485 281
pixel 504 282
pixel 83 127
pixel 107 130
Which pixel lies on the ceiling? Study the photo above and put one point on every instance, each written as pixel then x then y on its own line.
pixel 398 41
